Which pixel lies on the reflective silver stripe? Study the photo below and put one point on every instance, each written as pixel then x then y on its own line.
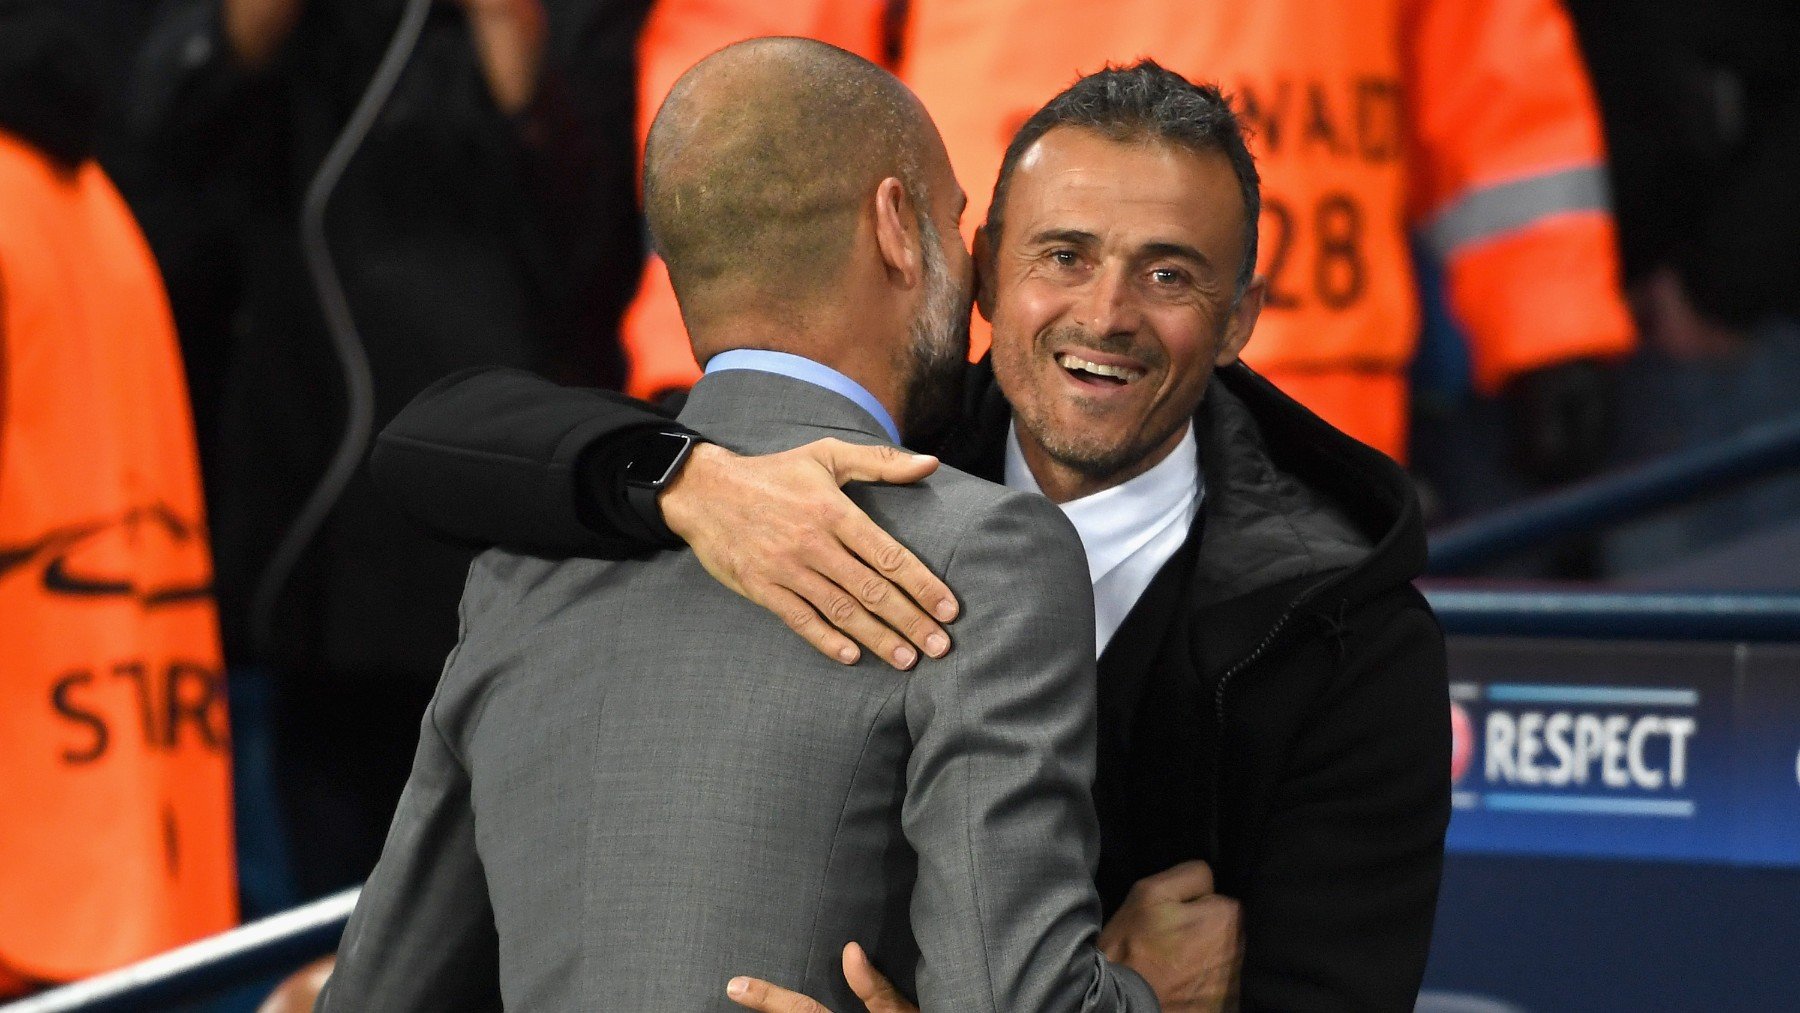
pixel 1497 210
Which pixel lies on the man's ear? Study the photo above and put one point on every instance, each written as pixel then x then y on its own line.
pixel 984 272
pixel 1242 322
pixel 896 234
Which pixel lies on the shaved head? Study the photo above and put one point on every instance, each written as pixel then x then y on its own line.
pixel 759 163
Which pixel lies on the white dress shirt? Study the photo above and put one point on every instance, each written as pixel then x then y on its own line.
pixel 1128 531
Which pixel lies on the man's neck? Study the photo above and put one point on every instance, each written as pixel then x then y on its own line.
pixel 860 360
pixel 809 370
pixel 1062 483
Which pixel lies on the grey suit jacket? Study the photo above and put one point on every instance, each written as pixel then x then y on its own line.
pixel 633 784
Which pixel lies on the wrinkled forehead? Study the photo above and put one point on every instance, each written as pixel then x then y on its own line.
pixel 1127 190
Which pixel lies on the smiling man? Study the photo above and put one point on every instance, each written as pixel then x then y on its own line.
pixel 1273 699
pixel 1114 313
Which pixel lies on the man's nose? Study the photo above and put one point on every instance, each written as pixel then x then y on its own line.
pixel 1110 304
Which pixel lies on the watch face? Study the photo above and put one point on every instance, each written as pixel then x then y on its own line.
pixel 656 458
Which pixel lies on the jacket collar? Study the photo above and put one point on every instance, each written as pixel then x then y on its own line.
pixel 1291 502
pixel 1267 526
pixel 756 412
pixel 800 367
pixel 1296 499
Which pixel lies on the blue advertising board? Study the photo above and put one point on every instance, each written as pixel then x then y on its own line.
pixel 1686 752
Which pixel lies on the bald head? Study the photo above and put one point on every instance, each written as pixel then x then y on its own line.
pixel 759 163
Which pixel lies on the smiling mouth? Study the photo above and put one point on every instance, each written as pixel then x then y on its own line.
pixel 1098 374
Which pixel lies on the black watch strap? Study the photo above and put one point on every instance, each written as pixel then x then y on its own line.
pixel 654 463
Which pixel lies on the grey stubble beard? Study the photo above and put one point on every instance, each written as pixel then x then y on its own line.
pixel 938 345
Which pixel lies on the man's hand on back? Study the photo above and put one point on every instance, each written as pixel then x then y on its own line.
pixel 877 994
pixel 1186 940
pixel 780 531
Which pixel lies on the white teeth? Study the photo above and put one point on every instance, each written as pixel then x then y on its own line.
pixel 1067 361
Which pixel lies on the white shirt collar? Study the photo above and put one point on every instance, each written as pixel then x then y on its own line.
pixel 1116 523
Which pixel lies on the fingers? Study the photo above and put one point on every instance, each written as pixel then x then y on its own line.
pixel 803 619
pixel 851 462
pixel 778 530
pixel 1223 919
pixel 846 612
pixel 300 991
pixel 1179 884
pixel 902 570
pixel 877 993
pixel 889 610
pixel 756 994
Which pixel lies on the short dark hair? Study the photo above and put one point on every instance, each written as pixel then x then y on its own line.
pixel 1144 102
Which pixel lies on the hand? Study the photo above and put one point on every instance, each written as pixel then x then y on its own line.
pixel 877 993
pixel 509 37
pixel 494 8
pixel 298 992
pixel 779 531
pixel 1561 420
pixel 1676 325
pixel 1184 939
pixel 256 29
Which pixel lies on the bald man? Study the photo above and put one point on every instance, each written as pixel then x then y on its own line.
pixel 633 785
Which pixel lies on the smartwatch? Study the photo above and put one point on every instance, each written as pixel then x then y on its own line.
pixel 654 463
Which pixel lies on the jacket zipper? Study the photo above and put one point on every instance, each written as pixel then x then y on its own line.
pixel 1246 661
pixel 1268 640
pixel 1305 597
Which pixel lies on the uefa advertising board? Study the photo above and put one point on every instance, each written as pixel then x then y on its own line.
pixel 1626 750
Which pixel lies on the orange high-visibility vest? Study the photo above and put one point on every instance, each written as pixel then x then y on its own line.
pixel 676 35
pixel 1470 121
pixel 115 785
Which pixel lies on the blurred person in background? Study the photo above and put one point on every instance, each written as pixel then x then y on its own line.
pixel 1701 107
pixel 1702 111
pixel 487 219
pixel 115 818
pixel 1470 122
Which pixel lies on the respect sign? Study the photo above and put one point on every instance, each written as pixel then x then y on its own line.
pixel 1675 751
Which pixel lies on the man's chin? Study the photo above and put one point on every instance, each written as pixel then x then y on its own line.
pixel 1095 444
pixel 1087 453
pixel 1092 463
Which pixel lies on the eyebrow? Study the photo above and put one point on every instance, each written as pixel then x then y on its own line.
pixel 1074 237
pixel 1179 250
pixel 1077 237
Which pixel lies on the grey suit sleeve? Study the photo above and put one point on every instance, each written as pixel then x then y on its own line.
pixel 422 936
pixel 999 803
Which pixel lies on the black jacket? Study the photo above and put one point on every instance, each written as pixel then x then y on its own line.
pixel 1275 704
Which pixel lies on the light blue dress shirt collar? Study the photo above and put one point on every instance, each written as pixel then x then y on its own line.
pixel 799 367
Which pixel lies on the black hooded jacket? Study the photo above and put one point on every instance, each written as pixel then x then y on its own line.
pixel 1276 702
